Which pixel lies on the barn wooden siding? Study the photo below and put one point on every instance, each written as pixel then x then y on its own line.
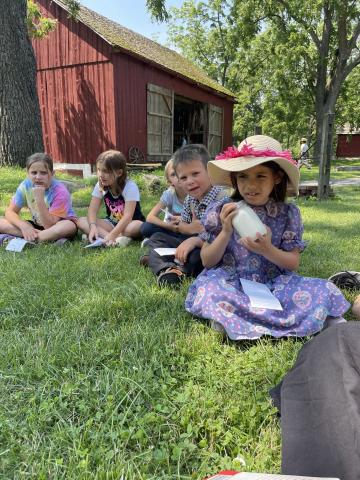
pixel 93 97
pixel 132 76
pixel 348 145
pixel 75 85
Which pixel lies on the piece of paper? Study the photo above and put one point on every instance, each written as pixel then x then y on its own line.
pixel 17 244
pixel 260 295
pixel 97 243
pixel 163 252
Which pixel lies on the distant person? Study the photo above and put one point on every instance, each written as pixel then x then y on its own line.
pixel 259 172
pixel 189 163
pixel 304 154
pixel 122 202
pixel 170 204
pixel 49 202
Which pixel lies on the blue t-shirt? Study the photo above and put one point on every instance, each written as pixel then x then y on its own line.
pixel 171 201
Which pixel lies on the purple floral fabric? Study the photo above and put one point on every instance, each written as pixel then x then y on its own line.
pixel 217 293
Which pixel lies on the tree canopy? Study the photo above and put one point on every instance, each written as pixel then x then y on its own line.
pixel 287 61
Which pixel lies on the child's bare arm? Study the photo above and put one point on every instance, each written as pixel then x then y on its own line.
pixel 46 218
pixel 154 218
pixel 183 250
pixel 93 209
pixel 212 253
pixel 193 228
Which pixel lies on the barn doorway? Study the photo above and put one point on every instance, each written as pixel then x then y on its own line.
pixel 190 121
pixel 173 120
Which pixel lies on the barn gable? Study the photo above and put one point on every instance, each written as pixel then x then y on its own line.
pixel 103 86
pixel 123 39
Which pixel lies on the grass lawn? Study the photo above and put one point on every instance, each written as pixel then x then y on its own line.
pixel 103 374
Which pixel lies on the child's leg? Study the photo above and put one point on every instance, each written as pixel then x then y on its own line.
pixel 103 226
pixel 147 229
pixel 9 228
pixel 132 230
pixel 158 263
pixel 63 228
pixel 194 265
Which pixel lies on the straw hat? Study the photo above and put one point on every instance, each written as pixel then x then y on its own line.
pixel 303 139
pixel 252 151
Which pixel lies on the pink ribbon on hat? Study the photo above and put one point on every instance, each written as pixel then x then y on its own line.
pixel 247 150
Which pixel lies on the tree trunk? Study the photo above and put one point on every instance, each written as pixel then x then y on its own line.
pixel 20 122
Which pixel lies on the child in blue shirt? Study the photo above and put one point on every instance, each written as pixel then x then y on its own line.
pixel 171 204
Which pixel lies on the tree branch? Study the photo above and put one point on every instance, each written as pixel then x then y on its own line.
pixel 302 22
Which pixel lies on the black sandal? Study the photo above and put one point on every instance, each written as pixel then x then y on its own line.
pixel 171 277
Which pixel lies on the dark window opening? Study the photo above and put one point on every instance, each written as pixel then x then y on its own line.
pixel 190 120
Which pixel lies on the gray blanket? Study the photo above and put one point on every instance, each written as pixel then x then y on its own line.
pixel 319 401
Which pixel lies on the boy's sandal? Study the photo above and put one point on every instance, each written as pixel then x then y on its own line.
pixel 171 277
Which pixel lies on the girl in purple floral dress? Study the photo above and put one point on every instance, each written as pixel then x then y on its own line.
pixel 259 171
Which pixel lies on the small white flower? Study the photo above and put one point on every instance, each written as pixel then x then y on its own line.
pixel 241 460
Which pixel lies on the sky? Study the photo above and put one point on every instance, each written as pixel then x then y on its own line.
pixel 132 14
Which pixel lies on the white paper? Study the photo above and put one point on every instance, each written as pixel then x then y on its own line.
pixel 269 476
pixel 163 252
pixel 17 244
pixel 260 295
pixel 97 243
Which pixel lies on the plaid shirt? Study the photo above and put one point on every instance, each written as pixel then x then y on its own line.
pixel 198 207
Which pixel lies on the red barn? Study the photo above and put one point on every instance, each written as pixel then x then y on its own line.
pixel 103 86
pixel 348 142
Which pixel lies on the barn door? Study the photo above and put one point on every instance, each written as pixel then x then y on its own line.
pixel 160 112
pixel 215 130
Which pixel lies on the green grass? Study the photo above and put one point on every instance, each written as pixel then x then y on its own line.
pixel 103 374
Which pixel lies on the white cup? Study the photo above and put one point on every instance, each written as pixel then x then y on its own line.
pixel 246 222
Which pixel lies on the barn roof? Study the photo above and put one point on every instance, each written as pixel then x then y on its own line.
pixel 135 44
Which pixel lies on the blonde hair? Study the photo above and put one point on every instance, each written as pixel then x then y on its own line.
pixel 169 164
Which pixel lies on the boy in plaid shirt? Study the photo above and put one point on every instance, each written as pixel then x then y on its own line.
pixel 190 164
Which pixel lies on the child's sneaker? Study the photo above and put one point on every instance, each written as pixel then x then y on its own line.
pixel 5 238
pixel 144 242
pixel 171 277
pixel 122 241
pixel 346 279
pixel 85 239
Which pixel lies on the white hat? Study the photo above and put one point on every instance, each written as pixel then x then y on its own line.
pixel 252 151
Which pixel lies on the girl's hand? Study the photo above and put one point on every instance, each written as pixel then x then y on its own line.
pixel 93 233
pixel 110 238
pixel 39 193
pixel 29 232
pixel 261 244
pixel 227 213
